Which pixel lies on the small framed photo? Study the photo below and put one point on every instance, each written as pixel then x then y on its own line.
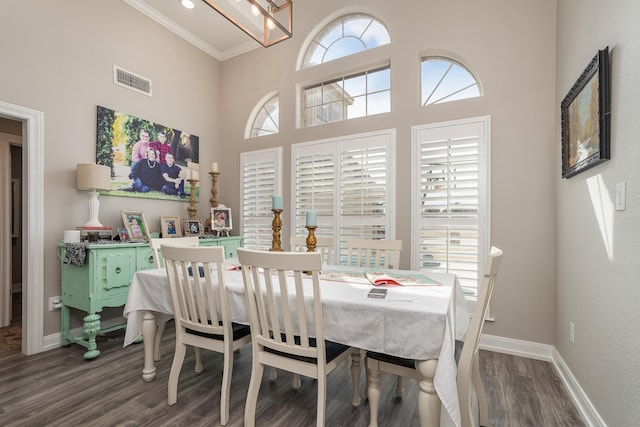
pixel 170 226
pixel 193 227
pixel 136 225
pixel 123 234
pixel 221 218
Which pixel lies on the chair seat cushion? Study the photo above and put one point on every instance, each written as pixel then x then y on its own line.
pixel 408 363
pixel 332 350
pixel 239 331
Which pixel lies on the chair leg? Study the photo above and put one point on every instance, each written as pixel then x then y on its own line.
pixel 295 381
pixel 225 392
pixel 476 379
pixel 252 393
pixel 178 358
pixel 273 374
pixel 399 387
pixel 198 368
pixel 356 357
pixel 322 400
pixel 373 390
pixel 156 346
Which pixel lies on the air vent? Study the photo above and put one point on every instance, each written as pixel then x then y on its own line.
pixel 131 80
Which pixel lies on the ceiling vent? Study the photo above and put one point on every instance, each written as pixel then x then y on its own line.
pixel 131 80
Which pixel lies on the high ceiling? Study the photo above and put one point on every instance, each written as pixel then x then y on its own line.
pixel 201 26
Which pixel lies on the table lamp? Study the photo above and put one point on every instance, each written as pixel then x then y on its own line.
pixel 93 177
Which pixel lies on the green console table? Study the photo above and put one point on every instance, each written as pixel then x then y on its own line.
pixel 103 281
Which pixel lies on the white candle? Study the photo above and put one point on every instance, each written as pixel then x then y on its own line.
pixel 276 202
pixel 214 167
pixel 193 174
pixel 312 219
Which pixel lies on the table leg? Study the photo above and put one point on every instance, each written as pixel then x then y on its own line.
pixel 148 334
pixel 356 357
pixel 429 403
pixel 91 327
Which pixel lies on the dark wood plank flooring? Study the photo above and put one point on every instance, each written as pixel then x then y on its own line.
pixel 60 388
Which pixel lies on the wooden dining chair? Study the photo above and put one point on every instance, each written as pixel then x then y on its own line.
pixel 324 245
pixel 373 253
pixel 282 335
pixel 468 377
pixel 202 314
pixel 155 243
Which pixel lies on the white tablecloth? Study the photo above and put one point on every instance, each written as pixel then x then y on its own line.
pixel 415 322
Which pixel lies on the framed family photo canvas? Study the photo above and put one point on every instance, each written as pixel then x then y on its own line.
pixel 170 226
pixel 136 225
pixel 586 118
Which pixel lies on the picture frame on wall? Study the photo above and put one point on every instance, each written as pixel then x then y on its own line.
pixel 136 225
pixel 170 226
pixel 193 227
pixel 586 118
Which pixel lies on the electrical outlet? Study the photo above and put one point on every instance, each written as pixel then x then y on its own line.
pixel 572 333
pixel 55 303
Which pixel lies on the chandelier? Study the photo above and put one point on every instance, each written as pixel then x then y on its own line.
pixel 266 21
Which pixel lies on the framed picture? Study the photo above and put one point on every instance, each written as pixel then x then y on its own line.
pixel 124 142
pixel 221 218
pixel 170 226
pixel 586 118
pixel 192 227
pixel 123 234
pixel 136 225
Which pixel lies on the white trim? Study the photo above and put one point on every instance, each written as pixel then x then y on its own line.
pixel 547 353
pixel 33 227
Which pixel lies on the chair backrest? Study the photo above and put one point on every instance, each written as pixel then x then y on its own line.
pixel 275 321
pixel 196 279
pixel 372 253
pixel 324 245
pixel 472 338
pixel 182 242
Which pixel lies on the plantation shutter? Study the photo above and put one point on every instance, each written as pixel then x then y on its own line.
pixel 451 200
pixel 260 179
pixel 348 182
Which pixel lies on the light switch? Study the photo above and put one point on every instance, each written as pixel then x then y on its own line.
pixel 621 196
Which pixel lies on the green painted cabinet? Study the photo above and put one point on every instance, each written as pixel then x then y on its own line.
pixel 103 281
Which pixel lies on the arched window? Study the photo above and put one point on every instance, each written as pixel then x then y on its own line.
pixel 345 36
pixel 266 117
pixel 445 80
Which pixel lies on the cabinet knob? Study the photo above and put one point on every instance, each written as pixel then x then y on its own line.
pixel 118 269
pixel 151 259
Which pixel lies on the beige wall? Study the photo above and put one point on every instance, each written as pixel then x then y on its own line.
pixel 58 58
pixel 510 45
pixel 597 247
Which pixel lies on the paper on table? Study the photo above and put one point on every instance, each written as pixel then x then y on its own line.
pixel 391 279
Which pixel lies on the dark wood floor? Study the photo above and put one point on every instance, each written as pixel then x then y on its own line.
pixel 60 388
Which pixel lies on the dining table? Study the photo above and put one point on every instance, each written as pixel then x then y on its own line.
pixel 418 321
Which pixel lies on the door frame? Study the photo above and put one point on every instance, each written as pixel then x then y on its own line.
pixel 33 224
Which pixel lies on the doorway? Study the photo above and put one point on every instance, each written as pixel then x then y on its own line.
pixel 32 222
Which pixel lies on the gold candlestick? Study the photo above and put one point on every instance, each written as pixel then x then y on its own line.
pixel 311 238
pixel 213 200
pixel 214 189
pixel 192 209
pixel 276 226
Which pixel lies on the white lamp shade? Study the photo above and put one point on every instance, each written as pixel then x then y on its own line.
pixel 90 176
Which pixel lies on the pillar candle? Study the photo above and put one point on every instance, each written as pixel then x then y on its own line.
pixel 312 219
pixel 193 174
pixel 276 202
pixel 214 167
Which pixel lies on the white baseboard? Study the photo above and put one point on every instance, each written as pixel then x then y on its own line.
pixel 548 353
